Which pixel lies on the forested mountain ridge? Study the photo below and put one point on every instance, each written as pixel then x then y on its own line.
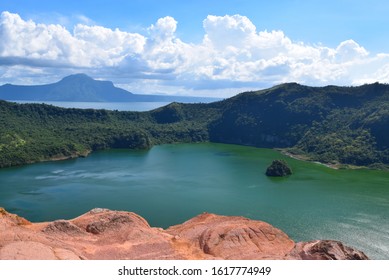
pixel 347 125
pixel 39 132
pixel 329 124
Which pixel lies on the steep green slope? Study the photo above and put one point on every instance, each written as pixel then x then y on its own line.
pixel 329 124
pixel 347 125
pixel 37 132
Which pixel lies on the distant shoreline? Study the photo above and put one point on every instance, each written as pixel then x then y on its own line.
pixel 300 157
pixel 135 106
pixel 335 166
pixel 305 158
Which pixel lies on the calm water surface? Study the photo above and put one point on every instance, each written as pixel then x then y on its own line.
pixel 172 183
pixel 120 106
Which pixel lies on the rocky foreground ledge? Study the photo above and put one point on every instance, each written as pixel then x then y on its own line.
pixel 104 234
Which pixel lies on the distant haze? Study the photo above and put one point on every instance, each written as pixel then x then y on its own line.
pixel 82 88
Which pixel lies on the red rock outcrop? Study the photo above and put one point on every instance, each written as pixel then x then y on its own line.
pixel 105 234
pixel 234 237
pixel 325 250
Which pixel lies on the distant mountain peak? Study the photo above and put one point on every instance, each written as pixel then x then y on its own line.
pixel 83 79
pixel 78 76
pixel 83 88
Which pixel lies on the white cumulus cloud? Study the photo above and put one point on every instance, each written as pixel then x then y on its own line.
pixel 26 39
pixel 232 54
pixel 164 29
pixel 85 46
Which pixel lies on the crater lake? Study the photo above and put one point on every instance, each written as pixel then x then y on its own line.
pixel 170 184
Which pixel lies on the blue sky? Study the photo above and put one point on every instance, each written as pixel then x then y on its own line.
pixel 213 47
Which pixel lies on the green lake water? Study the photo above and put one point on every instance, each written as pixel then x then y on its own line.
pixel 173 183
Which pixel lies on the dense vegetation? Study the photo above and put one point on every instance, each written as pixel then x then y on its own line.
pixel 37 132
pixel 278 168
pixel 347 125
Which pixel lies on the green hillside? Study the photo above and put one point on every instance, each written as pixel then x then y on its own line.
pixel 347 125
pixel 38 132
pixel 329 124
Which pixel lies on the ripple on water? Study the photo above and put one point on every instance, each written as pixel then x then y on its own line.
pixel 171 183
pixel 365 231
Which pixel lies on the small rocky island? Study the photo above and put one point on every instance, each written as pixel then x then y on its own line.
pixel 278 168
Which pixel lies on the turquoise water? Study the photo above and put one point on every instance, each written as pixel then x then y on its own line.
pixel 172 183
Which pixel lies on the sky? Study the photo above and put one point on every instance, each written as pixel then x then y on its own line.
pixel 199 48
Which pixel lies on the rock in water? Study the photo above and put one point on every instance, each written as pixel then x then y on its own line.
pixel 278 168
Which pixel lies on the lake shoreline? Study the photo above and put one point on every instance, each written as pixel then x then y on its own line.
pixel 335 166
pixel 305 158
pixel 286 152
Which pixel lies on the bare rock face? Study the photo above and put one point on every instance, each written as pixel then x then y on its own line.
pixel 234 237
pixel 325 250
pixel 62 227
pixel 105 234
